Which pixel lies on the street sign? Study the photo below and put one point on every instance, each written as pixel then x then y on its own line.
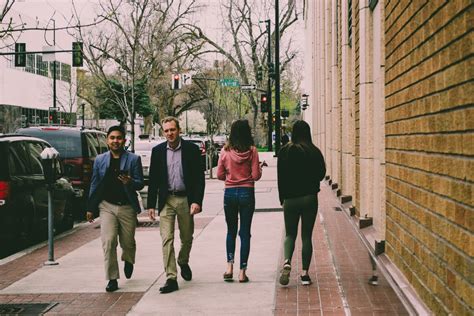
pixel 229 82
pixel 248 87
pixel 48 53
pixel 187 79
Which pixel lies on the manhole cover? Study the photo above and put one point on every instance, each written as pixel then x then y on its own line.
pixel 26 309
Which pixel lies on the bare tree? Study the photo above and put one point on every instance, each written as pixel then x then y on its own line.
pixel 247 46
pixel 135 45
pixel 6 26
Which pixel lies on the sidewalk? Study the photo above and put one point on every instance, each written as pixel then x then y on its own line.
pixel 340 268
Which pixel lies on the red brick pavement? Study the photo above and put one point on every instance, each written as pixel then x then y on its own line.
pixel 119 303
pixel 340 270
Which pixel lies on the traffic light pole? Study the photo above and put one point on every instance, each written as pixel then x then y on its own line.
pixel 277 79
pixel 54 66
pixel 269 88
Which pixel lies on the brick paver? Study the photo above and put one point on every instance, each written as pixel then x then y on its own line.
pixel 118 303
pixel 340 270
pixel 19 268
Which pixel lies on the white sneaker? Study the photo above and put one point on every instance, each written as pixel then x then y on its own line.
pixel 285 274
pixel 305 280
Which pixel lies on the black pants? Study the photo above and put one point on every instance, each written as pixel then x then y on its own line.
pixel 306 208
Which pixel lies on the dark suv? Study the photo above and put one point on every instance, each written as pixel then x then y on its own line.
pixel 24 195
pixel 77 149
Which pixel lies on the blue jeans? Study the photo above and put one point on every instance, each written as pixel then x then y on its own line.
pixel 239 202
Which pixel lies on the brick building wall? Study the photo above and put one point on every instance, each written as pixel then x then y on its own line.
pixel 429 149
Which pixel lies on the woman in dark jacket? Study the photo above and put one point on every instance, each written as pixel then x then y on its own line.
pixel 301 168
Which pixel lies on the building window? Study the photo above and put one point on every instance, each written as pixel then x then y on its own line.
pixel 58 68
pixel 349 22
pixel 41 66
pixel 66 72
pixel 30 63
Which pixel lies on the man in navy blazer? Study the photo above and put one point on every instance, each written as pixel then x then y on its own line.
pixel 116 176
pixel 177 180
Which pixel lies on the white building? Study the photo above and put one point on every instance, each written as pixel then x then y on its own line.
pixel 26 93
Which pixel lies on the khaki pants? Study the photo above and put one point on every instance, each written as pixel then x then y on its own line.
pixel 176 207
pixel 116 221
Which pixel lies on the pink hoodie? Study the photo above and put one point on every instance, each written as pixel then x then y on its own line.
pixel 239 169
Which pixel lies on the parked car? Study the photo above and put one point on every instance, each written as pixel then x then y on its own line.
pixel 205 148
pixel 219 141
pixel 24 195
pixel 77 149
pixel 143 148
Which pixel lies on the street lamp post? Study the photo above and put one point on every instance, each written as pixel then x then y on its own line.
pixel 269 88
pixel 54 67
pixel 83 105
pixel 277 78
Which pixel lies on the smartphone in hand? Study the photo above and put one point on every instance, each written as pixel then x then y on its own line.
pixel 123 173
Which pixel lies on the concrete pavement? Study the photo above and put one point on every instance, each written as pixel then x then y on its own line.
pixel 76 285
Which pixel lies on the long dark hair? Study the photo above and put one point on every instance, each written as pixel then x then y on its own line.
pixel 301 138
pixel 240 138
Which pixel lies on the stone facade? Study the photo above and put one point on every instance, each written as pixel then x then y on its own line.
pixel 392 111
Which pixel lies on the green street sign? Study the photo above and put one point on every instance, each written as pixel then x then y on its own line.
pixel 229 82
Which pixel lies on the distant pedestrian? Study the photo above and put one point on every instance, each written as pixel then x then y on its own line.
pixel 116 177
pixel 300 168
pixel 177 180
pixel 239 167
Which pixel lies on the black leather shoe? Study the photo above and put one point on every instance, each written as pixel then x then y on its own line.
pixel 186 272
pixel 112 286
pixel 128 269
pixel 170 286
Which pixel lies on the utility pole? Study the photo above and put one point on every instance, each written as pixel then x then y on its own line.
pixel 277 79
pixel 83 114
pixel 269 88
pixel 54 65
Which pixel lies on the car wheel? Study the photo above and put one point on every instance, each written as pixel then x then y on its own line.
pixel 26 228
pixel 68 220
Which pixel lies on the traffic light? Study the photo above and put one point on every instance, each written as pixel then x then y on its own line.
pixel 53 115
pixel 77 54
pixel 271 70
pixel 20 54
pixel 263 103
pixel 259 73
pixel 176 82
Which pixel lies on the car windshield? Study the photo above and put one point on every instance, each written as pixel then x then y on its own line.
pixel 68 145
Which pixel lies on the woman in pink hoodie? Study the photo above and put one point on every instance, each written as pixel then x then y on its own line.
pixel 239 167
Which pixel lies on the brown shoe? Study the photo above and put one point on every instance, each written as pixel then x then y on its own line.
pixel 228 277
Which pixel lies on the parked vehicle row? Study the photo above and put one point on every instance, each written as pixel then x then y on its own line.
pixel 77 150
pixel 24 194
pixel 23 189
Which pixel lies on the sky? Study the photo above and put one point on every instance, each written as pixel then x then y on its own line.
pixel 208 18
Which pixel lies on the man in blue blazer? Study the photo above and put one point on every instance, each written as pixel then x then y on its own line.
pixel 177 179
pixel 116 176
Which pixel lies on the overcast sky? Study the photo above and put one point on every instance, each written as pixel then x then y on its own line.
pixel 209 18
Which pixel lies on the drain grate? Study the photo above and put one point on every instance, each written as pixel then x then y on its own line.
pixel 338 209
pixel 277 209
pixel 26 309
pixel 149 224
